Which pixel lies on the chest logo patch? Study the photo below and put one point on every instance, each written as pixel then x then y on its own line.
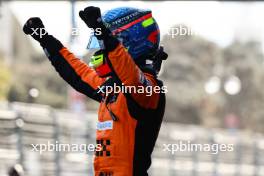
pixel 106 125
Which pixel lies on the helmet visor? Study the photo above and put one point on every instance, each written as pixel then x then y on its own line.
pixel 93 43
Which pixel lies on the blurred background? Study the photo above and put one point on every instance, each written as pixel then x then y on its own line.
pixel 214 74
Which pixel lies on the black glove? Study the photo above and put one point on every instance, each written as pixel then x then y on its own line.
pixel 92 17
pixel 35 28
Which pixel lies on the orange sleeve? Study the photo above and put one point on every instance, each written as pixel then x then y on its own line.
pixel 86 74
pixel 76 73
pixel 130 74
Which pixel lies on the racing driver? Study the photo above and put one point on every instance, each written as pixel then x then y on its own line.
pixel 128 55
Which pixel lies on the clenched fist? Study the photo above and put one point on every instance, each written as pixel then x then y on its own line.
pixel 35 28
pixel 91 16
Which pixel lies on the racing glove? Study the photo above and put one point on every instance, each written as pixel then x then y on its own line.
pixel 35 28
pixel 92 17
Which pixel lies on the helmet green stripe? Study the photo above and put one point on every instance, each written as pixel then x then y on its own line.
pixel 147 22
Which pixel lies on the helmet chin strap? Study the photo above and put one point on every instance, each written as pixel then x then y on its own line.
pixel 160 56
pixel 152 64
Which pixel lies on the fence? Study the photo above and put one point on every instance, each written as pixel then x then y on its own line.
pixel 245 158
pixel 24 124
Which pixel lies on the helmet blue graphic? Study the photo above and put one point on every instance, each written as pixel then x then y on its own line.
pixel 136 29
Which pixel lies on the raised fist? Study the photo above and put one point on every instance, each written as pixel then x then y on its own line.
pixel 91 16
pixel 35 28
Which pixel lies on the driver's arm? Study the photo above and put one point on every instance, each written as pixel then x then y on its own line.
pixel 71 69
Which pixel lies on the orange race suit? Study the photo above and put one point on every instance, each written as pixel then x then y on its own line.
pixel 128 139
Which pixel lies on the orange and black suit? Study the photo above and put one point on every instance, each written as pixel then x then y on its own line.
pixel 128 139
